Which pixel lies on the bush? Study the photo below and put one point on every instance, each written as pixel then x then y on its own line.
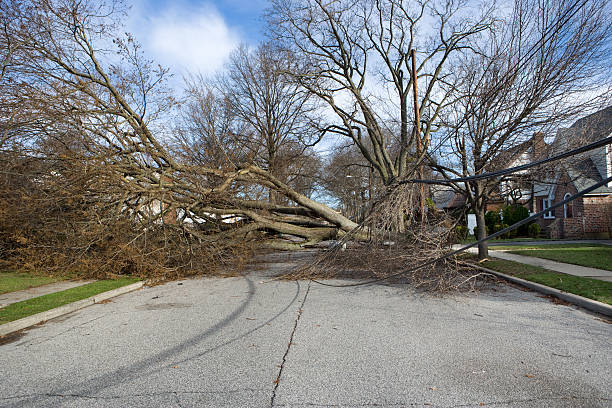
pixel 491 219
pixel 461 233
pixel 509 234
pixel 534 230
pixel 497 228
pixel 515 213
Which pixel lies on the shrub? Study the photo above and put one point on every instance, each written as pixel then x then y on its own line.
pixel 461 233
pixel 534 230
pixel 508 234
pixel 491 219
pixel 497 228
pixel 515 213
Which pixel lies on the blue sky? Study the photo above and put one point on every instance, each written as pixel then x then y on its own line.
pixel 195 36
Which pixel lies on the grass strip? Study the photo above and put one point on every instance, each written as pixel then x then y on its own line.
pixel 587 287
pixel 13 281
pixel 589 256
pixel 52 300
pixel 472 238
pixel 547 246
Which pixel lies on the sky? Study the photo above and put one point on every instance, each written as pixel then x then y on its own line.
pixel 195 36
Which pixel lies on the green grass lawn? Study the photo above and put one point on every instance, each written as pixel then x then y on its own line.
pixel 590 288
pixel 12 281
pixel 472 238
pixel 46 302
pixel 594 256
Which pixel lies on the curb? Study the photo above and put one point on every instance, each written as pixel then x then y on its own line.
pixel 586 303
pixel 26 322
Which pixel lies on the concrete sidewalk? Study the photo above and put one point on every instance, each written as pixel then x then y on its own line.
pixel 569 269
pixel 20 295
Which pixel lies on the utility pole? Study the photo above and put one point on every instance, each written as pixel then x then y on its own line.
pixel 419 151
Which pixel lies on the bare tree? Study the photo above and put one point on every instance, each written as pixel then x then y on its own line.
pixel 275 109
pixel 546 63
pixel 355 57
pixel 209 132
pixel 350 180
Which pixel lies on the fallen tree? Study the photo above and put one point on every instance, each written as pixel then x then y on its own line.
pixel 98 159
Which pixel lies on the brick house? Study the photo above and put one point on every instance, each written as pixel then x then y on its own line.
pixel 589 216
pixel 518 188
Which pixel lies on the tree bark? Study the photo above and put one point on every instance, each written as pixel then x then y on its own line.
pixel 483 247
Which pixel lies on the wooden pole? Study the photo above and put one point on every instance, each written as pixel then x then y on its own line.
pixel 419 152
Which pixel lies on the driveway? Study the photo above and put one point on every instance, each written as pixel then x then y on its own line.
pixel 255 342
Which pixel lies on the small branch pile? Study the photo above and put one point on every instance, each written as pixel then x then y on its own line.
pixel 398 241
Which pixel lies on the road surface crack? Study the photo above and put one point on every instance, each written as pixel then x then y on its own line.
pixel 177 399
pixel 282 365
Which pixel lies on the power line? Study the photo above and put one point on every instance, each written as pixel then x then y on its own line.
pixel 473 244
pixel 583 149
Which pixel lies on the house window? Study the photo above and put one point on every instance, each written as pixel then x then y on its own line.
pixel 568 209
pixel 546 203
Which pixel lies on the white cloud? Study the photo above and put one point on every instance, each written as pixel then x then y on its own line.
pixel 184 38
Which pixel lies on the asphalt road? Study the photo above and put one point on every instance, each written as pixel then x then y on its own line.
pixel 251 342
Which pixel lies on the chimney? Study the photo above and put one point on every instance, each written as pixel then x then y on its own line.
pixel 538 144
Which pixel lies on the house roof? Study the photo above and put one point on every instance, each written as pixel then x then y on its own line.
pixel 446 198
pixel 595 126
pixel 589 129
pixel 521 153
pixel 457 201
pixel 584 174
pixel 582 170
pixel 507 157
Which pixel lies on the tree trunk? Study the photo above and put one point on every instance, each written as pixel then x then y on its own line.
pixel 317 208
pixel 483 247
